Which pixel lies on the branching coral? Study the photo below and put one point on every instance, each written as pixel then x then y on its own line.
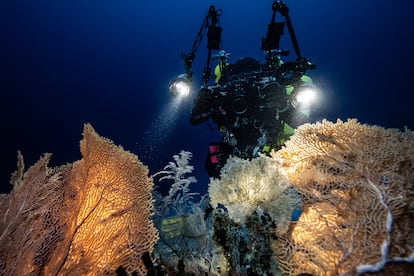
pixel 179 195
pixel 357 183
pixel 89 217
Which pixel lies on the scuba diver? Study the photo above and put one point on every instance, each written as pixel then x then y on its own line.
pixel 255 105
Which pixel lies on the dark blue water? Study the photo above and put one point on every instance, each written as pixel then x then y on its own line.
pixel 66 63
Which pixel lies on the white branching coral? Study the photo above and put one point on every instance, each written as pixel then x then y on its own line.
pixel 177 174
pixel 246 185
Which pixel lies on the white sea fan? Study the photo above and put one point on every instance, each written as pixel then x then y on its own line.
pixel 247 184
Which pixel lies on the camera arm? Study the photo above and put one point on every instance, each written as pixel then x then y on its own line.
pixel 275 30
pixel 289 71
pixel 209 25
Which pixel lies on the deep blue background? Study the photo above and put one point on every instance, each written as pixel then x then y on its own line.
pixel 65 63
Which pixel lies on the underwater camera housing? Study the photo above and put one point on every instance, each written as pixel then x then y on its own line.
pixel 254 96
pixel 254 100
pixel 248 110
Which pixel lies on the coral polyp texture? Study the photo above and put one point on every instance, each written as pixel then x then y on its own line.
pixel 357 186
pixel 85 218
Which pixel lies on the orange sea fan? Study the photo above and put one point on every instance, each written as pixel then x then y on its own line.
pixel 356 181
pixel 89 217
